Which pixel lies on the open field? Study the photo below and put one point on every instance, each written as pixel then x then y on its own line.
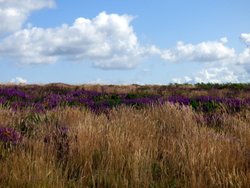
pixel 60 135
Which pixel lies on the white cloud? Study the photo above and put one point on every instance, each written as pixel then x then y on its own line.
pixel 244 57
pixel 224 40
pixel 108 41
pixel 13 13
pixel 216 75
pixel 203 52
pixel 223 64
pixel 99 81
pixel 185 79
pixel 245 37
pixel 18 80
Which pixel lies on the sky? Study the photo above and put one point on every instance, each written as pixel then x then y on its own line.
pixel 124 41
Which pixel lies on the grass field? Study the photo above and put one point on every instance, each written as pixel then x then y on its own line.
pixel 125 136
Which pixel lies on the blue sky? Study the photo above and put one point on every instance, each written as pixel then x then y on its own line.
pixel 124 42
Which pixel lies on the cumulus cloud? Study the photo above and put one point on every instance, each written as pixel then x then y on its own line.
pixel 18 80
pixel 202 52
pixel 216 75
pixel 108 41
pixel 99 81
pixel 245 37
pixel 185 79
pixel 223 64
pixel 244 57
pixel 13 13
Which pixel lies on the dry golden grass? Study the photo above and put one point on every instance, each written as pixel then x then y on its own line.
pixel 159 146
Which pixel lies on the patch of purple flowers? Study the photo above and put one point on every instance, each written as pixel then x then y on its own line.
pixel 9 136
pixel 40 99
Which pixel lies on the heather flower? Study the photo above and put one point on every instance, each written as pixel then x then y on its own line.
pixel 179 99
pixel 9 135
pixel 41 99
pixel 3 100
